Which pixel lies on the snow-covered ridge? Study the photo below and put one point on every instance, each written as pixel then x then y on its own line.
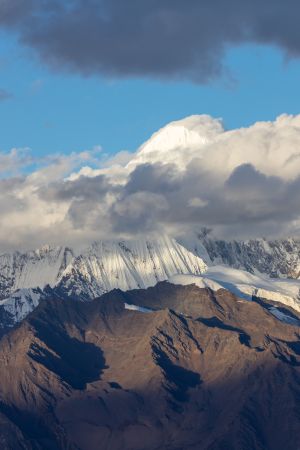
pixel 127 265
pixel 21 303
pixel 141 263
pixel 137 308
pixel 245 285
pixel 276 258
pixel 34 269
pixel 98 269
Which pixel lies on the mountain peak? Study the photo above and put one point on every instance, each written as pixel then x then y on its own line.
pixel 182 136
pixel 84 375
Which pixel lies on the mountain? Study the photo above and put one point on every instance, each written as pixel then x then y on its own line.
pixel 26 278
pixel 34 269
pixel 179 142
pixel 245 284
pixel 276 258
pixel 196 369
pixel 246 267
pixel 97 269
pixel 126 265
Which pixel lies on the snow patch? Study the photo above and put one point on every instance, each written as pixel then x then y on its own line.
pixel 245 285
pixel 137 308
pixel 21 303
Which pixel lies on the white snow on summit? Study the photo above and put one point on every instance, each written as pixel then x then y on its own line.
pixel 131 264
pixel 21 303
pixel 97 269
pixel 245 285
pixel 179 141
pixel 128 265
pixel 32 269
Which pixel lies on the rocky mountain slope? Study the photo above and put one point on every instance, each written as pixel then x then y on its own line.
pixel 99 268
pixel 34 269
pixel 276 258
pixel 27 278
pixel 126 265
pixel 60 272
pixel 198 370
pixel 245 284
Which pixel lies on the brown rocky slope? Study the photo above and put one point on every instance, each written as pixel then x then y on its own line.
pixel 204 370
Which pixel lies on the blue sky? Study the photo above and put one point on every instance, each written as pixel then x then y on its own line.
pixel 58 112
pixel 78 74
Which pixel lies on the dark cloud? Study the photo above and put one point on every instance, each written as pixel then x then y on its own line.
pixel 248 198
pixel 138 213
pixel 154 178
pixel 152 38
pixel 82 188
pixel 158 197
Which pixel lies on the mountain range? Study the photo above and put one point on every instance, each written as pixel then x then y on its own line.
pixel 163 343
pixel 169 367
pixel 260 268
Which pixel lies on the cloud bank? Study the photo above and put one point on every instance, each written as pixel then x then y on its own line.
pixel 157 38
pixel 192 173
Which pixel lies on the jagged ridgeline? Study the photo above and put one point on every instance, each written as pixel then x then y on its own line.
pixel 26 278
pixel 170 367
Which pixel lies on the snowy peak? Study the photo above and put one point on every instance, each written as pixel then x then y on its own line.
pixel 127 265
pixel 21 303
pixel 181 138
pixel 32 269
pixel 26 277
pixel 98 269
pixel 246 285
pixel 276 258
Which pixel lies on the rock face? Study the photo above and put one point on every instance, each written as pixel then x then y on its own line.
pixel 33 269
pixel 126 265
pixel 278 258
pixel 245 284
pixel 99 268
pixel 27 278
pixel 201 370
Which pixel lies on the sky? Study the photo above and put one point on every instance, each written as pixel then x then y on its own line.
pixel 53 112
pixel 83 83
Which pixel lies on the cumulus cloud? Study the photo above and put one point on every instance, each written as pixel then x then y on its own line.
pixel 158 38
pixel 192 173
pixel 14 160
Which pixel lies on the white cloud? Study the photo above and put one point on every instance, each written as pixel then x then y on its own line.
pixel 11 162
pixel 242 182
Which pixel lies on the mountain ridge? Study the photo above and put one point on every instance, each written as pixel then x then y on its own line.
pixel 60 271
pixel 83 375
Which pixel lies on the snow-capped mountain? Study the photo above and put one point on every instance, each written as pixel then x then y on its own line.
pixel 245 285
pixel 19 304
pixel 99 268
pixel 179 142
pixel 28 277
pixel 241 267
pixel 126 265
pixel 276 258
pixel 34 269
